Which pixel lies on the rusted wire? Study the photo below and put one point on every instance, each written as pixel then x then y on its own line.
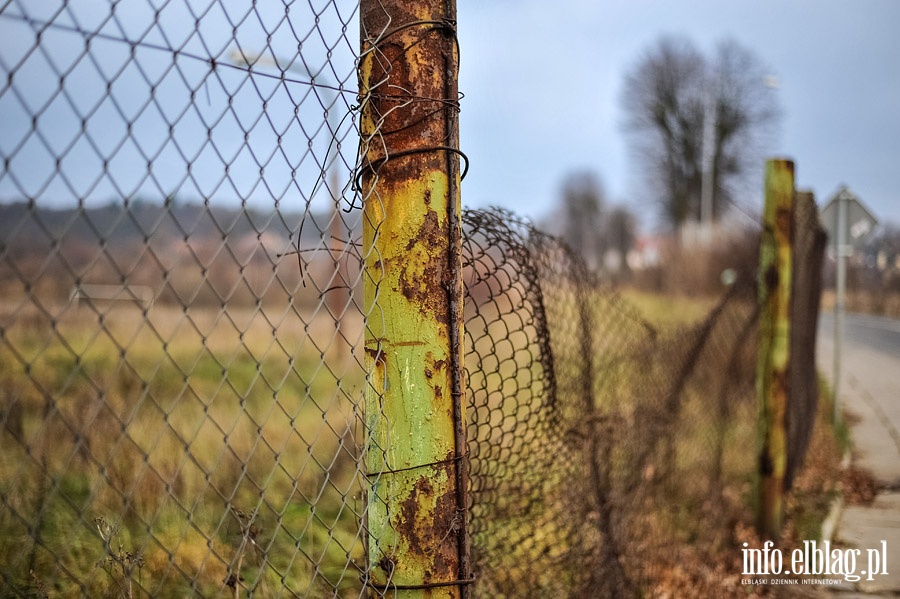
pixel 456 316
pixel 379 473
pixel 589 427
pixel 415 587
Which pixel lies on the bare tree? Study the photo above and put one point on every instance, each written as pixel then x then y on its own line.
pixel 620 234
pixel 698 122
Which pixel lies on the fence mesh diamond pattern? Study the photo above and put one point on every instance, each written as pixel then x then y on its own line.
pixel 182 323
pixel 592 435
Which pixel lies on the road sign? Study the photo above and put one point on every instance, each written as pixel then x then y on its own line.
pixel 848 223
pixel 858 221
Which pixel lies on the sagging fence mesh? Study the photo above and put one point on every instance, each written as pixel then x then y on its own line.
pixel 182 322
pixel 595 439
pixel 179 449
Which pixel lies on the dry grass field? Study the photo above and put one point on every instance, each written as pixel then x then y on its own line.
pixel 177 448
pixel 170 451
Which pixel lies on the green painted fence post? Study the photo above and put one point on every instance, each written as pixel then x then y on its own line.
pixel 415 456
pixel 773 360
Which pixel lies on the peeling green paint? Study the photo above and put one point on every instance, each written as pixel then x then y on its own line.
pixel 411 456
pixel 773 362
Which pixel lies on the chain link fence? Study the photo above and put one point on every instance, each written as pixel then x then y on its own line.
pixel 182 361
pixel 808 248
pixel 181 322
pixel 596 439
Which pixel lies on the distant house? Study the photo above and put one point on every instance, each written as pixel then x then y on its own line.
pixel 646 253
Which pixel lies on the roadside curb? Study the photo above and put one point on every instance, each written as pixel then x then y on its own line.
pixel 830 523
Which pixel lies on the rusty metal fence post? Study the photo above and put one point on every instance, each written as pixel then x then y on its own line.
pixel 773 365
pixel 808 240
pixel 417 530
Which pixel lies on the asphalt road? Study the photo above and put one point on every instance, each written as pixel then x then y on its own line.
pixel 875 332
pixel 869 388
pixel 870 391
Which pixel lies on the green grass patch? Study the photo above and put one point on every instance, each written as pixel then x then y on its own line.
pixel 164 430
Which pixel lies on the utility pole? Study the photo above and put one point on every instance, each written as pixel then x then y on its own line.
pixel 840 254
pixel 708 163
pixel 849 223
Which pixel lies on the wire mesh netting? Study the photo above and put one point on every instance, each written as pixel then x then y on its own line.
pixel 180 328
pixel 808 249
pixel 182 331
pixel 594 438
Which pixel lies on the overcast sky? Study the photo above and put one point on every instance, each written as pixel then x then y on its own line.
pixel 543 83
pixel 88 117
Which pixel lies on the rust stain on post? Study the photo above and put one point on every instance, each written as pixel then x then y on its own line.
pixel 417 544
pixel 773 361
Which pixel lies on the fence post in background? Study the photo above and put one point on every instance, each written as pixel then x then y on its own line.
pixel 773 361
pixel 416 514
pixel 611 577
pixel 808 240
